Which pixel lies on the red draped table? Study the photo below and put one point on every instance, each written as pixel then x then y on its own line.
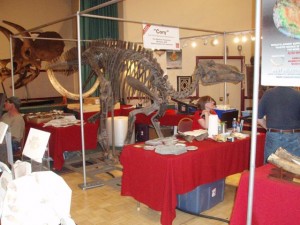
pixel 155 180
pixel 67 139
pixel 275 201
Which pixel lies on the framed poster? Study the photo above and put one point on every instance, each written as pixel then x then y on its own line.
pixel 174 59
pixel 183 82
pixel 280 44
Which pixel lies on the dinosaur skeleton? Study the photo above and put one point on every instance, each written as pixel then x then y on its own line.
pixel 28 54
pixel 127 69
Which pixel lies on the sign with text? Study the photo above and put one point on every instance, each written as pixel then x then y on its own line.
pixel 160 37
pixel 280 64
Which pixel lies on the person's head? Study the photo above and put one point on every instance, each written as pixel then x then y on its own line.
pixel 206 102
pixel 12 103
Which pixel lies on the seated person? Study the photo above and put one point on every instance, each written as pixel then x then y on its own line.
pixel 15 122
pixel 206 106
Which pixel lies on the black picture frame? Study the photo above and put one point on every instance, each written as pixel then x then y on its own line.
pixel 183 82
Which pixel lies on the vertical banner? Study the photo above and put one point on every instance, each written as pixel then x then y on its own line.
pixel 280 64
pixel 160 37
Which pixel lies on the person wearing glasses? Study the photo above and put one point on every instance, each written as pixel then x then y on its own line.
pixel 279 114
pixel 15 121
pixel 205 106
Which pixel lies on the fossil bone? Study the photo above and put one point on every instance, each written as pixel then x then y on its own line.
pixel 28 54
pixel 285 160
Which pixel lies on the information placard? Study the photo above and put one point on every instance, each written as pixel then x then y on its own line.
pixel 280 64
pixel 36 144
pixel 160 37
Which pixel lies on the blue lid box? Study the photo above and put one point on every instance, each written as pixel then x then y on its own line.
pixel 221 111
pixel 202 197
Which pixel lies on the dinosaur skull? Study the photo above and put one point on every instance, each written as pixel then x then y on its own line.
pixel 28 53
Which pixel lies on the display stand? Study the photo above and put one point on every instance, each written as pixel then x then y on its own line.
pixel 43 165
pixel 10 157
pixel 36 149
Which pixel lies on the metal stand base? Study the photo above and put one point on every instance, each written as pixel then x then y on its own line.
pixel 91 185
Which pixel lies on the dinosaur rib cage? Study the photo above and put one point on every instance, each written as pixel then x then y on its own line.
pixel 116 60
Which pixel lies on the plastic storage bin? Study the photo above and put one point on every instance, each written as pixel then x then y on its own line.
pixel 186 108
pixel 202 197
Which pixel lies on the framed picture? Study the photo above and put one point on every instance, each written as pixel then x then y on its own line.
pixel 174 59
pixel 183 82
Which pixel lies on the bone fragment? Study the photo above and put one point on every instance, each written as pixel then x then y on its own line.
pixel 284 164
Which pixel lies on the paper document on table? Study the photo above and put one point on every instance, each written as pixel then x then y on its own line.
pixel 64 122
pixel 195 132
pixel 36 144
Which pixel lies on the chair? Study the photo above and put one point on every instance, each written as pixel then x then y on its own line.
pixel 185 124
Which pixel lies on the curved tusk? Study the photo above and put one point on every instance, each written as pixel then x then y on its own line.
pixel 60 89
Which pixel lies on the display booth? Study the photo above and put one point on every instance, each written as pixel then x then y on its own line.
pixel 85 13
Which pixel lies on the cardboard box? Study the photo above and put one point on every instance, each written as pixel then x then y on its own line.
pixel 167 131
pixel 202 197
pixel 92 100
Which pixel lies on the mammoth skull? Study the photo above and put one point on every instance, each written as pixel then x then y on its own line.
pixel 28 53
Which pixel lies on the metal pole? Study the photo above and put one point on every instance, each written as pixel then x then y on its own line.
pixel 255 107
pixel 225 62
pixel 80 98
pixel 71 16
pixel 94 184
pixel 100 6
pixel 12 66
pixel 144 22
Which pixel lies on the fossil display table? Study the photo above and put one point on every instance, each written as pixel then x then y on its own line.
pixel 155 179
pixel 275 201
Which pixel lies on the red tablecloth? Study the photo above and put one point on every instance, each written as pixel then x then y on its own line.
pixel 67 139
pixel 275 202
pixel 155 179
pixel 171 117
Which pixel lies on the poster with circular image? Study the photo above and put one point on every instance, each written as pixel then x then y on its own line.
pixel 286 16
pixel 280 60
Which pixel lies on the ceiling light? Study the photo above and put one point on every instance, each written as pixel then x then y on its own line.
pixel 236 39
pixel 244 38
pixel 215 42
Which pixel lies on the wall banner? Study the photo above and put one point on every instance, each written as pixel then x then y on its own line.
pixel 160 37
pixel 280 64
